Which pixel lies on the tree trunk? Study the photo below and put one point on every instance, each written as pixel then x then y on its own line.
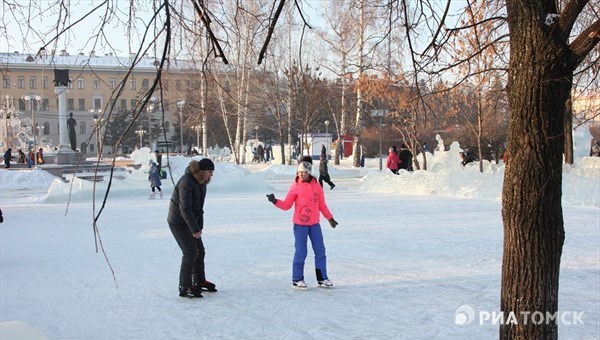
pixel 359 99
pixel 569 157
pixel 539 86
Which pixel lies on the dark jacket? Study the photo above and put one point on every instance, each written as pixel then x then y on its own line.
pixel 187 202
pixel 323 167
pixel 406 159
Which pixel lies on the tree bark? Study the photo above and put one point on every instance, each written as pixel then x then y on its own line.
pixel 539 85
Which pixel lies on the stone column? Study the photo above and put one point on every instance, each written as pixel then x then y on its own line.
pixel 64 154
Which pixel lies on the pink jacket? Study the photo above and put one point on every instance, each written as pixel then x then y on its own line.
pixel 392 161
pixel 308 200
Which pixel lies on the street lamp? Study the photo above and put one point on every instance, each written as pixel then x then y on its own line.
pixel 379 113
pixel 150 110
pixel 96 113
pixel 256 133
pixel 180 105
pixel 140 132
pixel 327 134
pixel 29 100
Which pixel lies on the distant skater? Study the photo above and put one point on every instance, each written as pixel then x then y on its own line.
pixel 324 173
pixel 154 178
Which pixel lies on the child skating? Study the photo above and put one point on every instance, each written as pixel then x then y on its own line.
pixel 308 199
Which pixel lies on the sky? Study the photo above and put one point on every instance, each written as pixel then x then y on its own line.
pixel 415 256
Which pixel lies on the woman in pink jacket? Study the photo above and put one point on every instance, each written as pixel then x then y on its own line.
pixel 392 161
pixel 306 195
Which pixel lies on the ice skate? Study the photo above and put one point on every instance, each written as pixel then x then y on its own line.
pixel 300 285
pixel 325 284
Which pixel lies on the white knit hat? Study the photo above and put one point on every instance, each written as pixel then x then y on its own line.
pixel 304 166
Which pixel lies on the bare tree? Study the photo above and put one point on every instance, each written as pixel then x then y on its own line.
pixel 340 37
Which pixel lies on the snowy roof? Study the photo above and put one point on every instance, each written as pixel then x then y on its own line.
pixel 64 59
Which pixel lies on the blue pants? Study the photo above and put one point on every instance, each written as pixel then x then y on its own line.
pixel 301 233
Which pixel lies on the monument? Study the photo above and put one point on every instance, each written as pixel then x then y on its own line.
pixel 64 154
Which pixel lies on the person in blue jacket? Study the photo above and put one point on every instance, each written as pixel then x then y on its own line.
pixel 154 178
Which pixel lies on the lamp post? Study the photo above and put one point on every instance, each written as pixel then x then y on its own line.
pixel 29 100
pixel 379 113
pixel 256 133
pixel 327 134
pixel 149 110
pixel 96 113
pixel 140 132
pixel 180 105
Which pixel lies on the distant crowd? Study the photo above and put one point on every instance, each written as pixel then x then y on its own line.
pixel 22 158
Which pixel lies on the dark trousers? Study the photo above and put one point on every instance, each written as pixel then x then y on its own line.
pixel 192 261
pixel 325 178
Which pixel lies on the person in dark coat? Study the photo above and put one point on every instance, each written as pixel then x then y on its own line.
pixel 406 158
pixel 186 221
pixel 8 157
pixel 324 173
pixel 465 158
pixel 158 159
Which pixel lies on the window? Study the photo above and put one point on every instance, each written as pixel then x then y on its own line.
pixel 22 106
pixel 21 82
pixel 6 82
pixel 45 104
pixel 112 83
pixel 81 104
pixel 97 103
pixel 33 82
pixel 123 104
pixel 145 84
pixel 80 83
pixel 133 103
pixel 82 128
pixel 46 128
pixel 71 104
pixel 45 82
pixel 96 83
pixel 133 84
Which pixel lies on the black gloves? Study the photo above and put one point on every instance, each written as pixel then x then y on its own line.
pixel 333 222
pixel 272 198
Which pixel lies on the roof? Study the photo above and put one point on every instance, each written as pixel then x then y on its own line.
pixel 65 60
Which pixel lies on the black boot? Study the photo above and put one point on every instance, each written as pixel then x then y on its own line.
pixel 203 283
pixel 192 292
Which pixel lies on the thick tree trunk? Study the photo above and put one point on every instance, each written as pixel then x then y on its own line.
pixel 539 86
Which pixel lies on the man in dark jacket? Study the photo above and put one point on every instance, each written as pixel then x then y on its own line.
pixel 406 158
pixel 8 157
pixel 186 221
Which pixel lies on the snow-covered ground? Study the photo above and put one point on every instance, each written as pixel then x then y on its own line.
pixel 416 256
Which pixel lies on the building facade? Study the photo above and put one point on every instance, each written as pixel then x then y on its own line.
pixel 98 85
